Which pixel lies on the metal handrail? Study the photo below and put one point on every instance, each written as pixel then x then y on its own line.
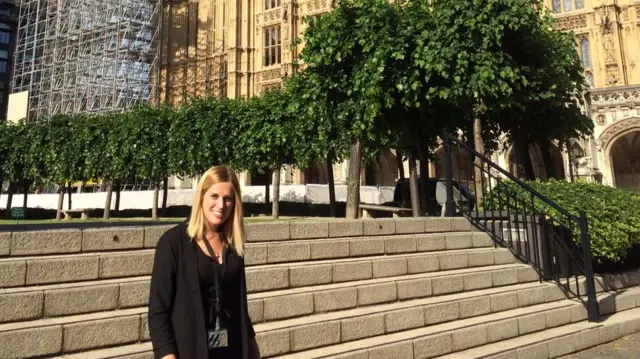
pixel 538 259
pixel 515 179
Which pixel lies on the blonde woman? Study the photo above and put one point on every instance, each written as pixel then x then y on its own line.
pixel 198 300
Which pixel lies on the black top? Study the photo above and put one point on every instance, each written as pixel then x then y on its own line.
pixel 176 312
pixel 229 281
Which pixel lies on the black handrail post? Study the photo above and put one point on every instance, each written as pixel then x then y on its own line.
pixel 448 173
pixel 593 310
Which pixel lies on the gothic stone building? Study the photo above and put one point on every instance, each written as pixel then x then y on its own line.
pixel 240 48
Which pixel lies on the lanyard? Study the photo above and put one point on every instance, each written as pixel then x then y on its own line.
pixel 216 304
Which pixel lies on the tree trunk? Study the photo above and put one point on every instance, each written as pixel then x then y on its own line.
pixel 1 183
pixel 479 147
pixel 545 151
pixel 107 203
pixel 118 185
pixel 423 152
pixel 25 197
pixel 404 190
pixel 400 165
pixel 413 184
pixel 528 165
pixel 61 191
pixel 267 197
pixel 156 195
pixel 569 157
pixel 521 152
pixel 165 194
pixel 332 188
pixel 275 206
pixel 69 192
pixel 10 190
pixel 353 181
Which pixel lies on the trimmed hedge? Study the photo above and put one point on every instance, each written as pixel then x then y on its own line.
pixel 613 213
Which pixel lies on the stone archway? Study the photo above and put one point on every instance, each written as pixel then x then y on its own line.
pixel 625 161
pixel 388 169
pixel 316 174
pixel 621 144
pixel 537 160
pixel 461 166
pixel 381 172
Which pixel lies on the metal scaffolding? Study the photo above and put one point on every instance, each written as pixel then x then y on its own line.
pixel 86 56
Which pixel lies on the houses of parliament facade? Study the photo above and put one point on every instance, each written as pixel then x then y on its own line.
pixel 238 49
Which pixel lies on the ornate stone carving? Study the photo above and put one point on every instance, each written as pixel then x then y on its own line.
pixel 270 75
pixel 625 15
pixel 598 145
pixel 614 98
pixel 266 87
pixel 604 12
pixel 315 6
pixel 571 22
pixel 285 26
pixel 588 77
pixel 616 129
pixel 609 49
pixel 272 15
pixel 612 74
pixel 601 120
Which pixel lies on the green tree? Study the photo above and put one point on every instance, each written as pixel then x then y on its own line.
pixel 62 155
pixel 346 53
pixel 24 163
pixel 265 140
pixel 468 59
pixel 150 147
pixel 548 103
pixel 317 136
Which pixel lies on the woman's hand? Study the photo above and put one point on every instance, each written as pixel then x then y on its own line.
pixel 170 356
pixel 254 351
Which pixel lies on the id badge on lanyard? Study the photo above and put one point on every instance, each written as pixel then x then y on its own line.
pixel 218 337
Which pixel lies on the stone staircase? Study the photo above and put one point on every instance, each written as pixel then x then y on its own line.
pixel 386 288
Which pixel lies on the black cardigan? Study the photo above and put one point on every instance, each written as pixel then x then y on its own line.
pixel 176 316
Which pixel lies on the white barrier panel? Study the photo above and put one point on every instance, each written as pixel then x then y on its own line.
pixel 311 193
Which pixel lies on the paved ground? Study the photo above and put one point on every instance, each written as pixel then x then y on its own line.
pixel 625 348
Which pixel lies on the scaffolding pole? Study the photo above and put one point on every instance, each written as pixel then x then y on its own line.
pixel 86 56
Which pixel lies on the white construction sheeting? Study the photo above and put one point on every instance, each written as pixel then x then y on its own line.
pixel 183 197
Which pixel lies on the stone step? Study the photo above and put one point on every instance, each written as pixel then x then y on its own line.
pixel 133 351
pixel 557 342
pixel 332 228
pixel 73 334
pixel 314 249
pixel 66 241
pixel 16 272
pixel 540 331
pixel 446 338
pixel 311 249
pixel 316 331
pixel 31 303
pixel 301 274
pixel 97 330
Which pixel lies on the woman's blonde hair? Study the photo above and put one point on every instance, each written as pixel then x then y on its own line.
pixel 233 227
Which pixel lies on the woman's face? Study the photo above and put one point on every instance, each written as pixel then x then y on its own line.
pixel 217 203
